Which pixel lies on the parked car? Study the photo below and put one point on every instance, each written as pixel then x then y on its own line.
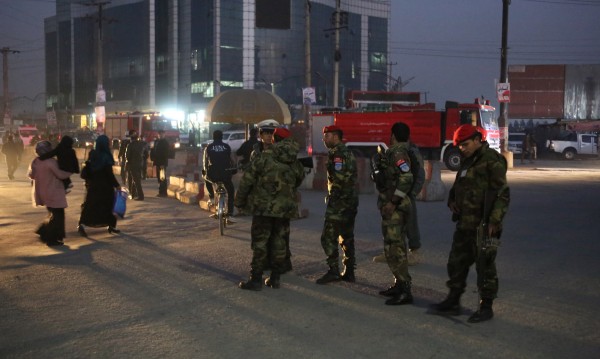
pixel 233 138
pixel 573 145
pixel 515 142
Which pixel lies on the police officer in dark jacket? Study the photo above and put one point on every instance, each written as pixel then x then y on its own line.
pixel 216 162
pixel 247 147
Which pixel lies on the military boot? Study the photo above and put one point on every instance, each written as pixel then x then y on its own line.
pixel 484 313
pixel 349 262
pixel 403 297
pixel 450 305
pixel 348 274
pixel 273 280
pixel 392 290
pixel 254 283
pixel 332 275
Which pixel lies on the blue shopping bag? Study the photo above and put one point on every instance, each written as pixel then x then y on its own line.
pixel 120 205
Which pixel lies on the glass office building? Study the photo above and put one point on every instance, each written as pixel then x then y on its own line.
pixel 158 54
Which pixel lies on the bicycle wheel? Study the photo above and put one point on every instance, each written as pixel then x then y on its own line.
pixel 221 214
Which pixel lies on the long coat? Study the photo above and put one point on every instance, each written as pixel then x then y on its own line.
pixel 48 188
pixel 100 186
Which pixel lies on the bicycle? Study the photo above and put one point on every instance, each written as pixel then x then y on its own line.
pixel 220 196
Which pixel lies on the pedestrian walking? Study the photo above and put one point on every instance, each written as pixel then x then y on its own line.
pixel 528 148
pixel 394 181
pixel 48 190
pixel 273 179
pixel 66 158
pixel 342 206
pixel 134 155
pixel 478 200
pixel 160 158
pixel 10 149
pixel 121 156
pixel 100 186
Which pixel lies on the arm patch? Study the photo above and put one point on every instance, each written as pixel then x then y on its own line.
pixel 403 166
pixel 338 163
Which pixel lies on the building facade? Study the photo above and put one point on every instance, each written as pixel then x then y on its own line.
pixel 157 54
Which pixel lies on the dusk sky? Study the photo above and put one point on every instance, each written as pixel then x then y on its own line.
pixel 447 49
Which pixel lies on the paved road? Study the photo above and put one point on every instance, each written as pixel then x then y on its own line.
pixel 167 286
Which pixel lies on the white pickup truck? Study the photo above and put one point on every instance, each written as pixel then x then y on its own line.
pixel 574 144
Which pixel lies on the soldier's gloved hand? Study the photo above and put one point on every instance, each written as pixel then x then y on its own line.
pixel 387 210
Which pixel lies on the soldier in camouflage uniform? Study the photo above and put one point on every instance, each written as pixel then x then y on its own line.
pixel 273 179
pixel 482 172
pixel 342 204
pixel 394 183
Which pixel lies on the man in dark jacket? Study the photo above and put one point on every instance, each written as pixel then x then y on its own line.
pixel 216 162
pixel 160 157
pixel 134 156
pixel 246 148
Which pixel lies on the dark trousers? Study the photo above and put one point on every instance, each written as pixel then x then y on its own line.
pixel 412 226
pixel 228 183
pixel 463 254
pixel 161 175
pixel 134 179
pixel 268 243
pixel 53 228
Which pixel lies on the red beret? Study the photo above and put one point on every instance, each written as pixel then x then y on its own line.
pixel 327 129
pixel 282 132
pixel 466 132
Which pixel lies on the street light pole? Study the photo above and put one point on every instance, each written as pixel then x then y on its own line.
pixel 503 74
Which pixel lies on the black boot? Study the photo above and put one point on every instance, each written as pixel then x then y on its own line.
pixel 273 280
pixel 392 291
pixel 254 283
pixel 348 275
pixel 81 230
pixel 484 313
pixel 403 297
pixel 332 275
pixel 450 305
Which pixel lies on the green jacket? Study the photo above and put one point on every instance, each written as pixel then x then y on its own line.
pixel 398 177
pixel 485 170
pixel 341 183
pixel 273 179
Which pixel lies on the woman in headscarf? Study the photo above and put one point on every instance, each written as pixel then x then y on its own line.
pixel 48 190
pixel 100 185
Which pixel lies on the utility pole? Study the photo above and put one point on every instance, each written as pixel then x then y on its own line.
pixel 502 121
pixel 100 92
pixel 5 51
pixel 337 56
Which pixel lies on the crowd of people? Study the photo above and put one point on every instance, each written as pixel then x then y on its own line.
pixel 268 190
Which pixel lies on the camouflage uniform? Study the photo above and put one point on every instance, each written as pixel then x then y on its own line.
pixel 342 203
pixel 398 182
pixel 272 179
pixel 485 170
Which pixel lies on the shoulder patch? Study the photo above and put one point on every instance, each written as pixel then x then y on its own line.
pixel 403 166
pixel 338 163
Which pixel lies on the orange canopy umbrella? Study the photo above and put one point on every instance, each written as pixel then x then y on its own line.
pixel 247 106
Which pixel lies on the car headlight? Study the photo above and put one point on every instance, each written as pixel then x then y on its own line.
pixel 177 145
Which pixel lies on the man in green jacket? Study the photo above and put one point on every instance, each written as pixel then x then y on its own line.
pixel 273 179
pixel 478 200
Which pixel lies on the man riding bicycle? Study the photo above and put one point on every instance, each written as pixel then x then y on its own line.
pixel 216 164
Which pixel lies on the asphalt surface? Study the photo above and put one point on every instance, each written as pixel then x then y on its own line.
pixel 166 287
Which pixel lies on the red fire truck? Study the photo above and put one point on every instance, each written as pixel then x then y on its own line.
pixel 431 130
pixel 147 125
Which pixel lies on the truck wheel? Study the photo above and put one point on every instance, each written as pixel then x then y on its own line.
pixel 569 154
pixel 452 159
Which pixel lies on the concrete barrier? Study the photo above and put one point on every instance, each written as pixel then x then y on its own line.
pixel 176 186
pixel 433 189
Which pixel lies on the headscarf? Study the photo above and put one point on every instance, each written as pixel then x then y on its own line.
pixel 101 156
pixel 43 147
